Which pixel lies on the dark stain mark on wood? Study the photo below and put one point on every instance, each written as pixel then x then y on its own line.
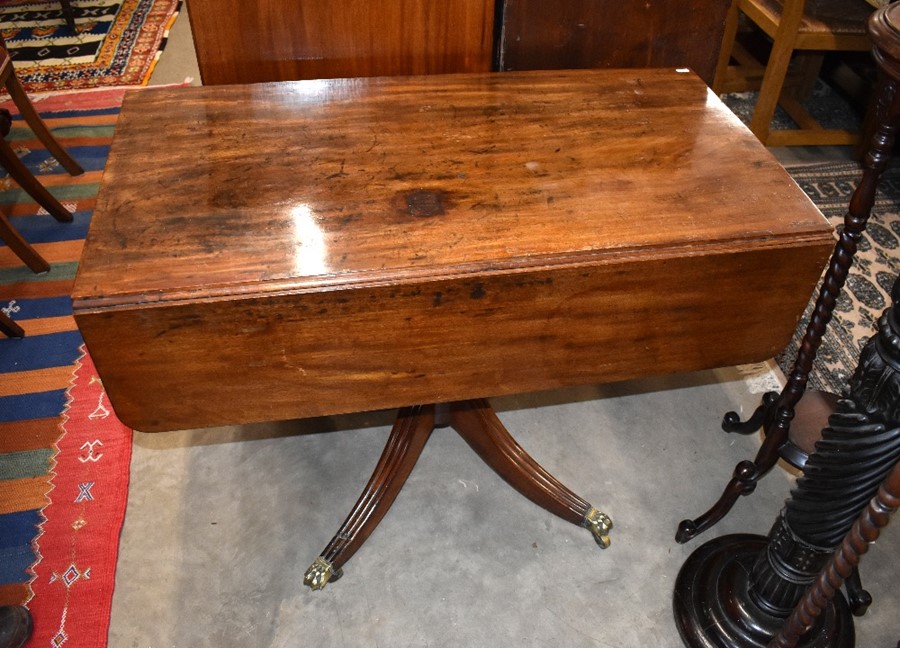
pixel 425 203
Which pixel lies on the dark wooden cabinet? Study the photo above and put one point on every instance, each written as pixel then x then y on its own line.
pixel 278 40
pixel 557 34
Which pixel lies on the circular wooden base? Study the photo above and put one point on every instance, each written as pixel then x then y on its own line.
pixel 714 609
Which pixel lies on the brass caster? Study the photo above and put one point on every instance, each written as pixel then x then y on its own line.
pixel 599 524
pixel 320 573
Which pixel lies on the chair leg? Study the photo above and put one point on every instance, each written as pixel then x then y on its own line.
pixel 770 90
pixel 21 248
pixel 9 327
pixel 728 39
pixel 809 66
pixel 68 13
pixel 20 173
pixel 34 121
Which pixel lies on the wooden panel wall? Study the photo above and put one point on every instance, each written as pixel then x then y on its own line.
pixel 557 34
pixel 246 41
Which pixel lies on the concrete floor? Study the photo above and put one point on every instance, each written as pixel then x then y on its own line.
pixel 222 523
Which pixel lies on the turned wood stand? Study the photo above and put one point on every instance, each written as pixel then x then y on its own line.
pixel 743 591
pixel 792 420
pixel 290 250
pixel 746 591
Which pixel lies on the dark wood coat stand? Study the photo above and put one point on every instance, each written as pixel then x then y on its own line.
pixel 776 413
pixel 737 591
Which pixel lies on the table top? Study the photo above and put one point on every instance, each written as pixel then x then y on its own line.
pixel 312 185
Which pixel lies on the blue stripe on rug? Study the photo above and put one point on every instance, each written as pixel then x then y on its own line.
pixel 39 352
pixel 79 113
pixel 46 404
pixel 46 229
pixel 18 120
pixel 92 158
pixel 16 555
pixel 56 51
pixel 25 309
pixel 34 33
pixel 98 28
pixel 88 159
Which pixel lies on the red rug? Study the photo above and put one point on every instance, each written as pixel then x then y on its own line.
pixel 64 458
pixel 78 545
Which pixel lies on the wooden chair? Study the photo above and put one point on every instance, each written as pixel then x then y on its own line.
pixel 801 31
pixel 20 173
pixel 11 162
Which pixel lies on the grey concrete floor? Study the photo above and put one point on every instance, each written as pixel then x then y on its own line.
pixel 222 523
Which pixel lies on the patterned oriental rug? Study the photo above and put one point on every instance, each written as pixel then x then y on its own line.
pixel 64 457
pixel 115 42
pixel 876 265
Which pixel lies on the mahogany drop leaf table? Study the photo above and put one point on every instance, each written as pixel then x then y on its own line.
pixel 301 249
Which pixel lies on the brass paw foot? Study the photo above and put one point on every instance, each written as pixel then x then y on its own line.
pixel 320 573
pixel 599 524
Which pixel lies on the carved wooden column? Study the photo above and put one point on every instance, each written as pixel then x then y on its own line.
pixel 736 591
pixel 842 563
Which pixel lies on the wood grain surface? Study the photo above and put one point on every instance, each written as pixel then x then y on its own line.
pixel 308 248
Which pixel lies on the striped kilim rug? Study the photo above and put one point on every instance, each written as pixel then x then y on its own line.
pixel 115 42
pixel 868 288
pixel 64 457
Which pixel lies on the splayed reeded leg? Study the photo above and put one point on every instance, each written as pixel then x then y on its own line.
pixel 477 423
pixel 408 436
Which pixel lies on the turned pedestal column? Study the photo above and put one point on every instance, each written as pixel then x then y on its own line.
pixel 737 591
